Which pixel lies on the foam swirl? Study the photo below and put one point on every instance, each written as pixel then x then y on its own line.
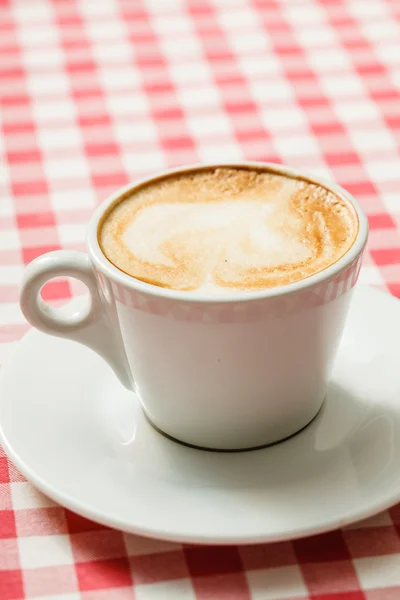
pixel 222 230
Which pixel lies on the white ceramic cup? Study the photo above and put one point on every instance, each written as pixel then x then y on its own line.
pixel 227 373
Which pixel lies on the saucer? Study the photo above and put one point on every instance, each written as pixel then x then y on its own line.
pixel 82 439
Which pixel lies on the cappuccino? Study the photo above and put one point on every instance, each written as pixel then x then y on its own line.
pixel 222 230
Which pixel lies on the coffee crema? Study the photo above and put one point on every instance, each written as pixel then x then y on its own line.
pixel 224 230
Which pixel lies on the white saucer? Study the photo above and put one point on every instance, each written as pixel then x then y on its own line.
pixel 82 439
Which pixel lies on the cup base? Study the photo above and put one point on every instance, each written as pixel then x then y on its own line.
pixel 232 450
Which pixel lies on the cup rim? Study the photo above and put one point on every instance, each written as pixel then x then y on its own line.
pixel 115 274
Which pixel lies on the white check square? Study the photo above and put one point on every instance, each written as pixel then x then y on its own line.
pixel 180 589
pixel 373 139
pixel 11 274
pixel 46 83
pixel 62 109
pixel 37 36
pixel 158 5
pixel 11 313
pixel 24 495
pixel 329 58
pixel 302 13
pixel 253 41
pixel 65 168
pixel 366 10
pixel 297 145
pixel 62 200
pixel 276 583
pixel 352 111
pixel 190 73
pixel 383 170
pixel 117 51
pixel 381 30
pixel 279 119
pixel 121 78
pixel 95 9
pixel 260 66
pixel 71 596
pixel 45 551
pixel 105 30
pixel 59 138
pixel 171 24
pixel 389 53
pixel 322 34
pixel 43 59
pixel 391 201
pixel 29 12
pixel 342 85
pixel 204 97
pixel 378 571
pixel 7 207
pixel 213 124
pixel 132 103
pixel 144 130
pixel 9 240
pixel 370 275
pixel 219 151
pixel 238 18
pixel 265 92
pixel 72 233
pixel 137 162
pixel 189 44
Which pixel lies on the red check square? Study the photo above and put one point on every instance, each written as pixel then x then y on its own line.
pixel 222 586
pixel 392 593
pixel 4 474
pixel 164 566
pixel 372 541
pixel 99 574
pixel 322 548
pixel 78 524
pixel 205 560
pixel 7 524
pixel 11 585
pixel 41 521
pixel 340 596
pixel 330 577
pixel 264 556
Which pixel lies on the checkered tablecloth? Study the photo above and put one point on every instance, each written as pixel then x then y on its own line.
pixel 96 93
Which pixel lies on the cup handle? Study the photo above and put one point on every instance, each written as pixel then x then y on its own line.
pixel 90 325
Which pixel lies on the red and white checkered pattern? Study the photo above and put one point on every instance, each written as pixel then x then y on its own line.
pixel 96 93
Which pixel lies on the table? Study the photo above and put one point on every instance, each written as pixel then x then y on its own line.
pixel 95 94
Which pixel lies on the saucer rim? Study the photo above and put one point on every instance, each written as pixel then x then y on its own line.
pixel 84 510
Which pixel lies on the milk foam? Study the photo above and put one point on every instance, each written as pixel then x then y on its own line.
pixel 200 234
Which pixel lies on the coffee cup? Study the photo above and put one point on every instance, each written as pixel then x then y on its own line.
pixel 230 371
